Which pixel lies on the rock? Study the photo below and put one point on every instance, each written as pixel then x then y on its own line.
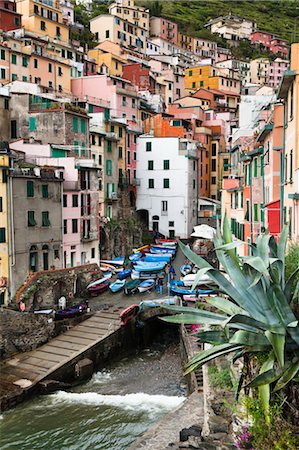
pixel 84 368
pixel 217 408
pixel 218 424
pixel 218 437
pixel 195 430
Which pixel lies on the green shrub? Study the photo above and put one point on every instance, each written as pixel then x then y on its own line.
pixel 220 378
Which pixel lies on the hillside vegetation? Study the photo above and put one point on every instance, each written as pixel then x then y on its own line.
pixel 278 17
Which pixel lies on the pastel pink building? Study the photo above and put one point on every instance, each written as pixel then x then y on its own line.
pixel 271 42
pixel 165 29
pixel 222 54
pixel 276 71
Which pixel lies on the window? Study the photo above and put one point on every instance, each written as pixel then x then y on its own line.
pixel 148 147
pixel 2 55
pixel 59 71
pixel 2 234
pixel 75 124
pixel 108 167
pixel 201 83
pixel 291 102
pixel 107 34
pixel 171 223
pixel 1 204
pixel 190 73
pixel 214 149
pixel 124 100
pixel 6 103
pixel 242 200
pixel 255 163
pixel 50 67
pixel 225 165
pixel 120 132
pixel 166 164
pixel 13 58
pixel 58 34
pixel 75 200
pixel 43 25
pixel 13 129
pixel 291 166
pixel 30 189
pixel 213 181
pixel 64 200
pixel 74 225
pixel 172 234
pixel 109 146
pixel 45 191
pixel 213 168
pixel 193 84
pixel 83 126
pixel 194 184
pixel 30 219
pixel 255 212
pixel 150 165
pixel 24 61
pixel 24 78
pixel 164 205
pixel 3 74
pixel 65 226
pixel 14 77
pixel 93 253
pixel 32 123
pixel 151 183
pixel 166 183
pixel 45 219
pixel 128 157
pixel 120 152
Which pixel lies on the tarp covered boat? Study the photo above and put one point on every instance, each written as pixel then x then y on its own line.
pixel 71 311
pixel 155 303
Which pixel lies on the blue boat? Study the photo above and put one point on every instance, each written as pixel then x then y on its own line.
pixel 159 302
pixel 176 288
pixel 159 251
pixel 146 285
pixel 148 266
pixel 135 256
pixel 158 257
pixel 146 275
pixel 117 285
pixel 124 274
pixel 185 269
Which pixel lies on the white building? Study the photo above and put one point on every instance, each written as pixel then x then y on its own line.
pixel 167 191
pixel 231 27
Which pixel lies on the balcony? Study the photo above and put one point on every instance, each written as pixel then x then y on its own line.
pixel 71 186
pixel 112 136
pixel 112 196
pixel 89 236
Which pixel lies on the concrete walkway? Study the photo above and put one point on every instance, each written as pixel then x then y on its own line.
pixel 27 369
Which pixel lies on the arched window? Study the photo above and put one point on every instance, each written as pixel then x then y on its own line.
pixel 45 249
pixel 155 217
pixel 33 258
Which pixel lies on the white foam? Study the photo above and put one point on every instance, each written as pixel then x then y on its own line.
pixel 101 377
pixel 133 402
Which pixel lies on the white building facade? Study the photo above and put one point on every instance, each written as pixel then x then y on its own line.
pixel 167 191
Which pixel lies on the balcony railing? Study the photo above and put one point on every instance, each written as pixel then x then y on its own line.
pixel 89 236
pixel 112 136
pixel 112 196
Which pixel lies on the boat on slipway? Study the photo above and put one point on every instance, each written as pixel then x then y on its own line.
pixel 124 274
pixel 146 285
pixel 99 288
pixel 131 287
pixel 117 286
pixel 147 266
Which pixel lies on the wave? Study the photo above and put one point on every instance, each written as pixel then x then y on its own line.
pixel 101 377
pixel 139 402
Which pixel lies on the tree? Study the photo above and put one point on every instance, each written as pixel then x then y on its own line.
pixel 256 317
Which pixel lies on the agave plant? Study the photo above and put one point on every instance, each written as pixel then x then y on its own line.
pixel 254 316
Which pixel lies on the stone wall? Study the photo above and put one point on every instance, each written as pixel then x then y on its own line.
pixel 43 289
pixel 121 236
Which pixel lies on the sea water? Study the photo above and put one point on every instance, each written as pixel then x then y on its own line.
pixel 108 412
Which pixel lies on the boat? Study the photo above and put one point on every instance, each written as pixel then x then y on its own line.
pixel 164 247
pixel 146 266
pixel 131 286
pixel 99 288
pixel 158 257
pixel 176 288
pixel 194 298
pixel 43 311
pixel 135 256
pixel 156 303
pixel 99 281
pixel 189 279
pixel 185 269
pixel 140 249
pixel 159 251
pixel 146 285
pixel 128 314
pixel 117 285
pixel 111 268
pixel 71 311
pixel 146 275
pixel 118 261
pixel 124 274
pixel 166 241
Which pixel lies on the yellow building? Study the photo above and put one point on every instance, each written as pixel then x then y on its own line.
pixel 44 17
pixel 4 229
pixel 186 42
pixel 113 62
pixel 209 77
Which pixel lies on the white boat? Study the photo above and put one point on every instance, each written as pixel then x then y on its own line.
pixel 101 280
pixel 113 262
pixel 146 285
pixel 189 279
